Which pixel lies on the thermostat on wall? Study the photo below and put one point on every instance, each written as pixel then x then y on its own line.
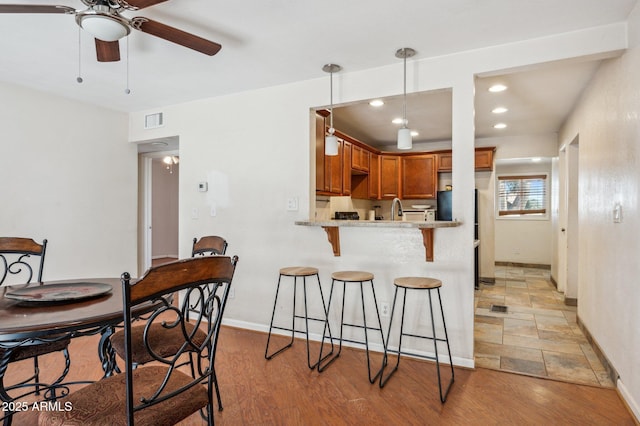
pixel 203 186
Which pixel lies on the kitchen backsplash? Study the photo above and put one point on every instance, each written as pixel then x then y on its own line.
pixel 327 206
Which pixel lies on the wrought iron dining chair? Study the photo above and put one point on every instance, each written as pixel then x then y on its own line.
pixel 168 339
pixel 209 245
pixel 160 394
pixel 22 260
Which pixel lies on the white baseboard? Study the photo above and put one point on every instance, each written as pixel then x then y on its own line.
pixel 162 256
pixel 628 399
pixel 375 347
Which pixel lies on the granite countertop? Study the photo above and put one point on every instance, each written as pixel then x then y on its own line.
pixel 380 223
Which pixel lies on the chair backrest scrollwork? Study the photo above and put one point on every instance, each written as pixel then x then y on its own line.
pixel 21 260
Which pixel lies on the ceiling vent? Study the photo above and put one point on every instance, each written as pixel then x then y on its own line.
pixel 151 121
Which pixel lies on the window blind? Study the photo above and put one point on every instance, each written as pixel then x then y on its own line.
pixel 522 195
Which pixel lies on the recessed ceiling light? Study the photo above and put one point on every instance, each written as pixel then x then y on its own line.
pixel 500 126
pixel 159 143
pixel 499 110
pixel 497 88
pixel 376 103
pixel 398 120
pixel 414 133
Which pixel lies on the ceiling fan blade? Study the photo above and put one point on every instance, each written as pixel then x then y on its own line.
pixel 107 51
pixel 175 35
pixel 35 8
pixel 141 4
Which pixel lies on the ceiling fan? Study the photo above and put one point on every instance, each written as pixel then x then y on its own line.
pixel 103 20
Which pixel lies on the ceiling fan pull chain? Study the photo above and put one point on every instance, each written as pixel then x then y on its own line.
pixel 79 78
pixel 127 91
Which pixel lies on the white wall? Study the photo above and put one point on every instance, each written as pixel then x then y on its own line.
pixel 164 205
pixel 496 237
pixel 69 176
pixel 255 151
pixel 608 124
pixel 524 240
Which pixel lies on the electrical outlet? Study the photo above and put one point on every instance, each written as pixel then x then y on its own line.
pixel 384 309
pixel 232 293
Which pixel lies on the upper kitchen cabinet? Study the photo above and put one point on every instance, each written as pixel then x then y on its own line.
pixel 445 161
pixel 347 149
pixel 483 160
pixel 329 169
pixel 374 176
pixel 389 176
pixel 419 176
pixel 359 158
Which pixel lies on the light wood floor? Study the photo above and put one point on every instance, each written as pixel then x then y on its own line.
pixel 284 391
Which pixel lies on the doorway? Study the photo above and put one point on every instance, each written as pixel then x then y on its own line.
pixel 571 230
pixel 158 201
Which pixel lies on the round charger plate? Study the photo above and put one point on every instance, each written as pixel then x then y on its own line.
pixel 53 293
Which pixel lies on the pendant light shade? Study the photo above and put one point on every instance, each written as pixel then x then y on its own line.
pixel 404 138
pixel 404 134
pixel 330 145
pixel 331 141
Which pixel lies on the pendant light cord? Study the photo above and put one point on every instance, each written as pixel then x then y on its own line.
pixel 331 100
pixel 404 103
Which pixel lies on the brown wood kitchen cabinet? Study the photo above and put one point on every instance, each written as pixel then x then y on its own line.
pixel 389 176
pixel 359 158
pixel 483 160
pixel 374 176
pixel 419 176
pixel 346 166
pixel 445 161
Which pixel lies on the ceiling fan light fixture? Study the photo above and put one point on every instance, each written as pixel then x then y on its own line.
pixel 104 26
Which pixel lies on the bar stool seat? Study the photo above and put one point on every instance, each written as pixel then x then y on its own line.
pixel 296 272
pixel 419 284
pixel 351 277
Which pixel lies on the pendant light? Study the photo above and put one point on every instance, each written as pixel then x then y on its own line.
pixel 331 141
pixel 404 134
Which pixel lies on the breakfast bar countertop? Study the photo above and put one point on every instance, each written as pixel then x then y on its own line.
pixel 381 223
pixel 332 227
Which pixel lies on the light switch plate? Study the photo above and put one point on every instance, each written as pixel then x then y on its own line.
pixel 617 213
pixel 292 204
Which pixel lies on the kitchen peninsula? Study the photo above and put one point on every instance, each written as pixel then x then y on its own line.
pixel 332 227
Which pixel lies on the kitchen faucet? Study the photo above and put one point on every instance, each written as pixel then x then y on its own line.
pixel 393 208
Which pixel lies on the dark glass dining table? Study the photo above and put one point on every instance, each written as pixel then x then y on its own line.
pixel 31 322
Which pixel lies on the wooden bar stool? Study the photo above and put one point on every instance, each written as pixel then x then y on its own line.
pixel 418 283
pixel 351 277
pixel 296 272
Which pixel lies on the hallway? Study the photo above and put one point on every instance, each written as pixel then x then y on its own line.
pixel 538 335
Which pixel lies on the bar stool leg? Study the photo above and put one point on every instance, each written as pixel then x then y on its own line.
pixel 294 315
pixel 383 380
pixel 321 364
pixel 326 322
pixel 275 302
pixel 366 338
pixel 443 397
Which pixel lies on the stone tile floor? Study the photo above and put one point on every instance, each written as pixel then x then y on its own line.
pixel 538 335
